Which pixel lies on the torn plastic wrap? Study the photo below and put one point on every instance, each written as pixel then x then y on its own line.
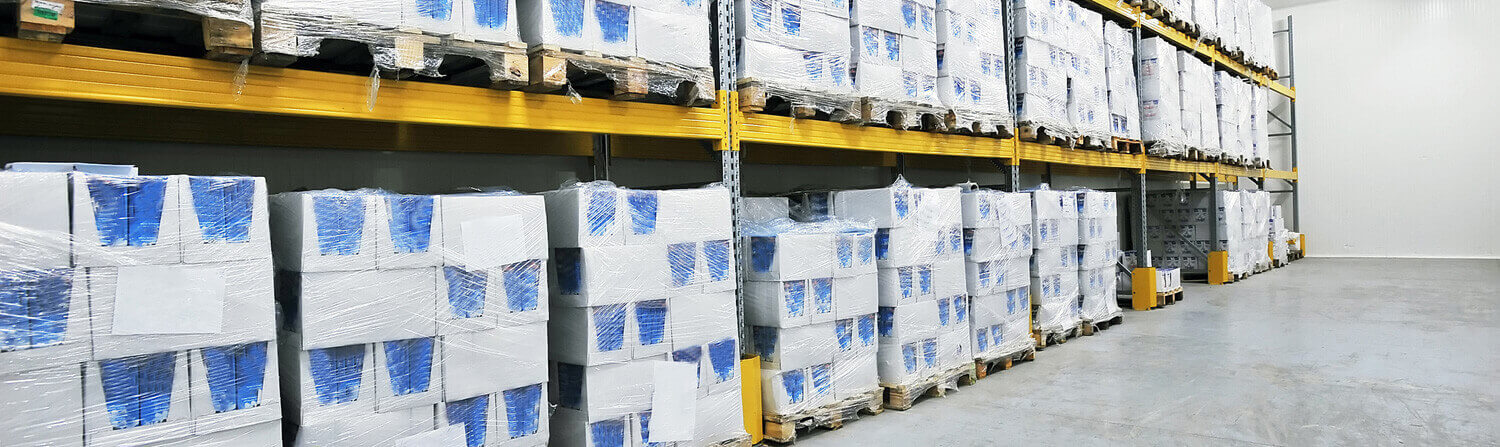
pixel 1119 71
pixel 148 319
pixel 922 323
pixel 894 61
pixel 412 318
pixel 1161 108
pixel 797 50
pixel 644 332
pixel 971 63
pixel 410 35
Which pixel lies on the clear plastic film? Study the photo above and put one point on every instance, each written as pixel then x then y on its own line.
pixel 971 64
pixel 796 49
pixel 644 331
pixel 1120 81
pixel 135 309
pixel 1181 239
pixel 1088 103
pixel 1205 15
pixel 894 62
pixel 1162 126
pixel 1235 103
pixel 401 34
pixel 1262 43
pixel 998 249
pixel 412 318
pixel 1001 323
pixel 1054 263
pixel 232 10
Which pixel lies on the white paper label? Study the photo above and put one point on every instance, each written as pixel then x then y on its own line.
pixel 674 403
pixel 44 5
pixel 450 436
pixel 492 241
pixel 168 300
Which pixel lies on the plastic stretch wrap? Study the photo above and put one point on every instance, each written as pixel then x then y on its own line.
pixel 1088 103
pixel 1262 43
pixel 1227 24
pixel 1260 124
pixel 298 27
pixel 1234 102
pixel 1054 263
pixel 894 55
pixel 412 318
pixel 644 335
pixel 1119 70
pixel 796 49
pixel 971 65
pixel 1205 14
pixel 1161 109
pixel 762 209
pixel 1001 323
pixel 998 248
pixel 1181 238
pixel 233 10
pixel 1197 78
pixel 804 273
pixel 1041 81
pixel 134 309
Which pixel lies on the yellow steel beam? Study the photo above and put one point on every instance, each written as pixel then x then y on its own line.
pixel 1285 175
pixel 780 130
pixel 70 72
pixel 1055 154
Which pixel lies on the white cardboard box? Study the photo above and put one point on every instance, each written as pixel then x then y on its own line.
pixel 344 308
pixel 178 307
pixel 36 204
pixel 587 215
pixel 117 424
pixel 794 348
pixel 604 391
pixel 592 335
pixel 48 345
pixel 408 374
pixel 409 231
pixel 485 362
pixel 334 381
pixel 320 231
pixel 909 322
pixel 607 275
pixel 856 295
pixel 881 208
pixel 789 303
pixel 788 391
pixel 126 220
pixel 791 256
pixel 483 231
pixel 346 427
pixel 224 219
pixel 227 394
pixel 904 285
pixel 43 407
pixel 699 319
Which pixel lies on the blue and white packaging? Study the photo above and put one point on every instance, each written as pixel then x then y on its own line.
pixel 491 21
pixel 588 214
pixel 42 407
pixel 1053 260
pixel 854 252
pixel 717 363
pixel 44 319
pixel 789 303
pixel 148 309
pixel 513 294
pixel 608 275
pixel 796 347
pixel 487 362
pixel 344 308
pixel 126 220
pixel 788 391
pixel 705 318
pixel 224 219
pixel 905 285
pixel 907 362
pixel 324 231
pixel 901 324
pixel 593 335
pixel 482 231
pixel 408 231
pixel 595 25
pixel 900 247
pixel 234 386
pixel 137 400
pixel 434 18
pixel 345 427
pixel 891 207
pixel 653 331
pixel 408 374
pixel 791 256
pixel 514 417
pixel 671 37
pixel 325 383
pixel 604 391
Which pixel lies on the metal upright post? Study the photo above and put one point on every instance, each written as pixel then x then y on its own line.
pixel 1140 243
pixel 1213 213
pixel 729 150
pixel 1015 178
pixel 1291 68
pixel 1143 276
pixel 900 169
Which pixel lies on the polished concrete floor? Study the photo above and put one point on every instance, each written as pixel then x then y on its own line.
pixel 1322 352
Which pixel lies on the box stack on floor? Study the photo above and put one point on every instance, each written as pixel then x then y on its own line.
pixel 1040 68
pixel 1259 233
pixel 971 65
pixel 146 319
pixel 644 338
pixel 1119 73
pixel 412 318
pixel 811 301
pixel 923 321
pixel 1088 102
pixel 997 252
pixel 797 50
pixel 1181 240
pixel 893 47
pixel 1054 265
pixel 1161 109
pixel 1098 255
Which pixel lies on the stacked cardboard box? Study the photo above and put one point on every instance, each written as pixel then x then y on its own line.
pixel 796 48
pixel 1040 30
pixel 644 335
pixel 1161 109
pixel 412 317
pixel 893 47
pixel 145 319
pixel 1200 123
pixel 296 27
pixel 923 319
pixel 971 62
pixel 1119 73
pixel 1278 235
pixel 811 300
pixel 1054 264
pixel 1259 134
pixel 997 254
pixel 1234 102
pixel 1098 254
pixel 1205 15
pixel 1088 104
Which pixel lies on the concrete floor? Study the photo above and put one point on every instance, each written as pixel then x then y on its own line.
pixel 1323 352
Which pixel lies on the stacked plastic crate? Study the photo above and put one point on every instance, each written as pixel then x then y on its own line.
pixel 1161 110
pixel 923 321
pixel 894 59
pixel 644 333
pixel 796 49
pixel 1040 68
pixel 997 252
pixel 971 64
pixel 146 320
pixel 811 299
pixel 1119 73
pixel 412 317
pixel 1054 264
pixel 1179 236
pixel 1088 102
pixel 1098 255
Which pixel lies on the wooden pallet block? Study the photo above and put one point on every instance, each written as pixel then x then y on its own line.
pixel 1126 146
pixel 554 69
pixel 53 20
pixel 1092 327
pixel 986 367
pixel 783 428
pixel 1168 298
pixel 1056 337
pixel 1036 134
pixel 504 66
pixel 756 96
pixel 902 397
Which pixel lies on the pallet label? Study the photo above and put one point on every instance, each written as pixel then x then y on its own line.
pixel 46 9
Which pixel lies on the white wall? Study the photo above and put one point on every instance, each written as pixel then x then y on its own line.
pixel 1399 127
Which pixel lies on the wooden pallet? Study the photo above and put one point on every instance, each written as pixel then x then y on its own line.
pixel 1055 337
pixel 984 367
pixel 1092 143
pixel 1125 146
pixel 589 73
pixel 162 29
pixel 1030 132
pixel 958 125
pixel 784 428
pixel 1167 298
pixel 902 397
pixel 738 441
pixel 1151 8
pixel 758 96
pixel 879 112
pixel 1092 327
